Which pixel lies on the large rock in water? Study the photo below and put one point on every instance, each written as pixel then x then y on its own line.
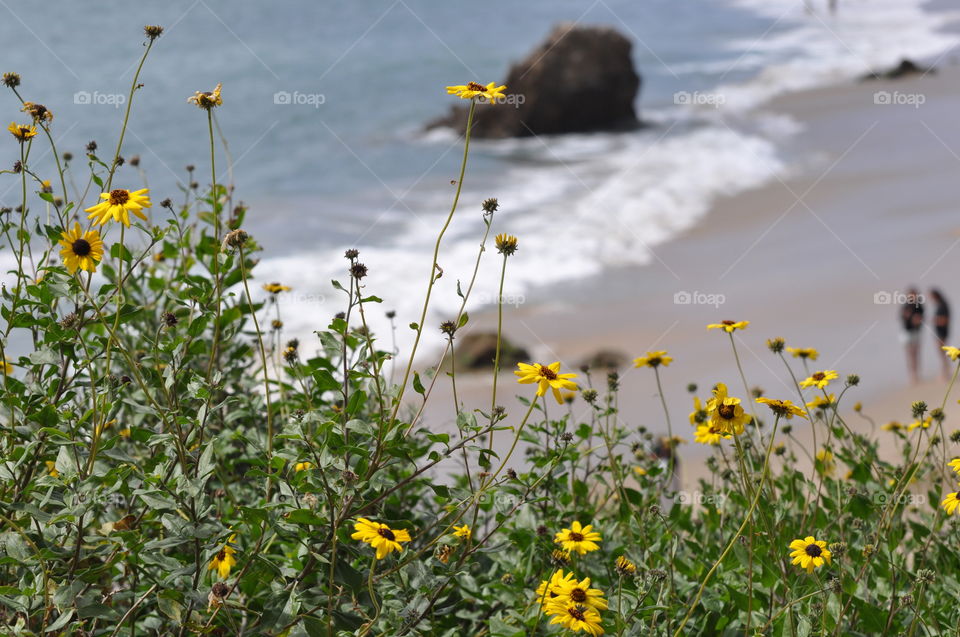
pixel 580 79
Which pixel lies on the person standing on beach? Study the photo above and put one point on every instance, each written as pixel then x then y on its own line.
pixel 911 316
pixel 941 326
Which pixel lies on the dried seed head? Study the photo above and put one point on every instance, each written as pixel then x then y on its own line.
pixel 776 345
pixel 11 80
pixel 490 205
pixel 153 31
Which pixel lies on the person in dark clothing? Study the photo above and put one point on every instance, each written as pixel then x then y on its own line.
pixel 941 326
pixel 911 317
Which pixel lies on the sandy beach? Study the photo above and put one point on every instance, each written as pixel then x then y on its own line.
pixel 818 256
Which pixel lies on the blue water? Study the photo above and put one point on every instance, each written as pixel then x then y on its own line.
pixel 349 165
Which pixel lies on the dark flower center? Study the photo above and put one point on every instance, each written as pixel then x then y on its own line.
pixel 80 247
pixel 813 550
pixel 818 376
pixel 577 612
pixel 473 86
pixel 387 533
pixel 728 322
pixel 222 555
pixel 576 537
pixel 727 412
pixel 119 197
pixel 548 373
pixel 578 595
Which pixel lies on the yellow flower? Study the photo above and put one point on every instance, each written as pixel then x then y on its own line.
pixel 380 536
pixel 826 465
pixel 893 425
pixel 950 503
pixel 954 464
pixel 580 593
pixel 7 367
pixel 52 468
pixel 491 92
pixel 653 359
pixel 223 561
pixel 207 99
pixel 99 429
pixel 22 132
pixel 709 435
pixel 698 415
pixel 804 352
pixel 303 466
pixel 117 204
pixel 547 589
pixel 462 532
pixel 952 352
pixel 276 288
pixel 808 553
pixel 819 379
pixel 575 617
pixel 625 566
pixel 917 424
pixel 822 402
pixel 726 413
pixel 783 408
pixel 729 326
pixel 580 539
pixel 546 377
pixel 506 244
pixel 81 249
pixel 640 471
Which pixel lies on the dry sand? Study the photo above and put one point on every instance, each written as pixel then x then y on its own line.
pixel 811 257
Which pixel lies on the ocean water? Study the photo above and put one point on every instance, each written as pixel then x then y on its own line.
pixel 325 102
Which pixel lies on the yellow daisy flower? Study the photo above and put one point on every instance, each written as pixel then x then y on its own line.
pixel 579 593
pixel 207 99
pixel 951 502
pixel 547 589
pixel 952 352
pixel 698 415
pixel 303 466
pixel 822 402
pixel 462 532
pixel 506 244
pixel 826 465
pixel 921 424
pixel 546 377
pixel 7 366
pixel 954 464
pixel 653 359
pixel 81 250
pixel 819 379
pixel 576 617
pixel 729 326
pixel 709 435
pixel 640 471
pixel 52 468
pixel 893 425
pixel 380 536
pixel 276 288
pixel 625 566
pixel 118 204
pixel 223 561
pixel 577 538
pixel 804 352
pixel 809 553
pixel 22 132
pixel 783 408
pixel 491 92
pixel 726 413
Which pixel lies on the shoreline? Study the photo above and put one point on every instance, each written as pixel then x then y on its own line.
pixel 802 257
